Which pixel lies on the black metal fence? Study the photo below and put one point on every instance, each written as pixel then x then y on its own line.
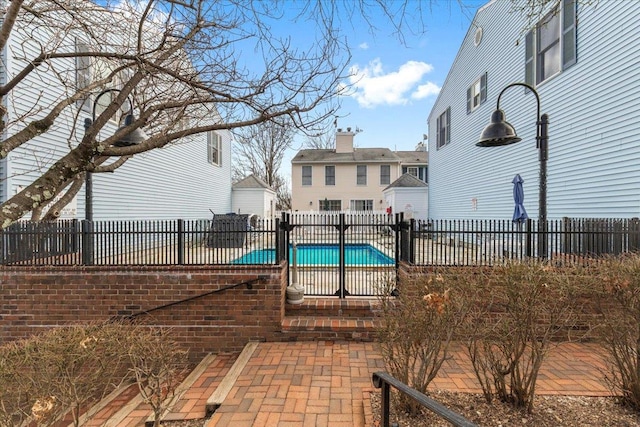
pixel 487 242
pixel 224 240
pixel 364 246
pixel 333 253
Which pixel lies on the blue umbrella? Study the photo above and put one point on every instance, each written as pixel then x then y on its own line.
pixel 519 213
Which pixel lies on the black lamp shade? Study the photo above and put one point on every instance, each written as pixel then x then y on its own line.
pixel 134 137
pixel 498 132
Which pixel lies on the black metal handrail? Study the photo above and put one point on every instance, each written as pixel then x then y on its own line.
pixel 248 283
pixel 385 381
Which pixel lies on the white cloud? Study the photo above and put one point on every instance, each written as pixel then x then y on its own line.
pixel 363 46
pixel 371 86
pixel 426 90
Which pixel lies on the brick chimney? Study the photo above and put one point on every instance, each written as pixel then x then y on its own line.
pixel 344 141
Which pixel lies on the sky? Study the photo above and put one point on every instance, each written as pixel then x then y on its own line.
pixel 395 84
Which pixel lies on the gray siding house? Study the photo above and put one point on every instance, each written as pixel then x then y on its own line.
pixel 583 62
pixel 184 180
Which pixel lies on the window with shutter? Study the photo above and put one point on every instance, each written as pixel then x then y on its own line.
pixel 552 46
pixel 443 128
pixel 477 93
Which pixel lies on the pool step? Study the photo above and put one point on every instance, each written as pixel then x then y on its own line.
pixel 331 319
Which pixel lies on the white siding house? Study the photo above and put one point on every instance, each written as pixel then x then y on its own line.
pixel 253 196
pixel 583 61
pixel 179 181
pixel 408 195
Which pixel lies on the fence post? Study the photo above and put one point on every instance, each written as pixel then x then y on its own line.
pixel 529 239
pixel 404 236
pixel 181 242
pixel 412 238
pixel 342 271
pixel 87 242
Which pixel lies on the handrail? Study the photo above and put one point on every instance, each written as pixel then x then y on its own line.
pixel 248 283
pixel 385 381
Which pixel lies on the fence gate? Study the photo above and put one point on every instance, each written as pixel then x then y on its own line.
pixel 342 254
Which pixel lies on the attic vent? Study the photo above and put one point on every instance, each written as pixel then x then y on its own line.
pixel 478 37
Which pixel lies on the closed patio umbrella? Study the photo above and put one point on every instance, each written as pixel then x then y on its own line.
pixel 519 213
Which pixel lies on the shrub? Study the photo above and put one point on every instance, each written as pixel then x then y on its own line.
pixel 158 365
pixel 618 278
pixel 416 330
pixel 518 309
pixel 67 368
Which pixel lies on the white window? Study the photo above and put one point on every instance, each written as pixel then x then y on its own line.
pixel 443 129
pixel 214 148
pixel 477 93
pixel 330 205
pixel 361 172
pixel 385 174
pixel 330 175
pixel 551 46
pixel 306 175
pixel 413 171
pixel 361 205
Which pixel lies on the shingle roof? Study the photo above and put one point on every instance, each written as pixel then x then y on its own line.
pixel 358 155
pixel 413 156
pixel 251 181
pixel 407 181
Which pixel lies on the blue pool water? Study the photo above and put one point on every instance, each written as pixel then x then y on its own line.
pixel 313 254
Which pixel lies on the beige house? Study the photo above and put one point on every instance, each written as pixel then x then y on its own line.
pixel 349 178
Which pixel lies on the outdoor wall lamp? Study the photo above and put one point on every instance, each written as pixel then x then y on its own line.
pixel 499 132
pixel 131 138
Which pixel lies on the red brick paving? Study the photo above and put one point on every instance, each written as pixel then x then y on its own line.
pixel 321 383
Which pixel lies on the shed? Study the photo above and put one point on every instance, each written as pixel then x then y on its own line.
pixel 253 196
pixel 408 194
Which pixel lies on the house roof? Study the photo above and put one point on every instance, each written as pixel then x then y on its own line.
pixel 413 156
pixel 407 181
pixel 358 155
pixel 251 181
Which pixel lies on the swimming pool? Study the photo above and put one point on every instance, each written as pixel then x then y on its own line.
pixel 322 254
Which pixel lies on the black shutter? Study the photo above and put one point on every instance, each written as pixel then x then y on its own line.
pixel 569 39
pixel 483 88
pixel 529 54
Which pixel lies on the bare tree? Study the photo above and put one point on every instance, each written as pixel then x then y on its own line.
pixel 178 70
pixel 321 141
pixel 260 150
pixel 283 194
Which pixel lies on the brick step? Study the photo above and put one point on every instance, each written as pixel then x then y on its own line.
pixel 309 328
pixel 125 407
pixel 360 308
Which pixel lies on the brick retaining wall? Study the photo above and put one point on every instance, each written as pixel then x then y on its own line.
pixel 32 299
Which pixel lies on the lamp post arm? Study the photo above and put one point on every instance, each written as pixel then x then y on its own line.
pixel 542 143
pixel 104 92
pixel 531 88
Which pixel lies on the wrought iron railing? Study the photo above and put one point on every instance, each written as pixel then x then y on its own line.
pixel 384 381
pixel 167 242
pixel 232 239
pixel 487 242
